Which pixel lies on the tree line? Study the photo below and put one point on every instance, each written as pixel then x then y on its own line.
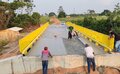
pixel 102 22
pixel 10 18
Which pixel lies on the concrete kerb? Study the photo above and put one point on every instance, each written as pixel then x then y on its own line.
pixel 92 40
pixel 31 64
pixel 32 43
pixel 6 65
pixel 20 65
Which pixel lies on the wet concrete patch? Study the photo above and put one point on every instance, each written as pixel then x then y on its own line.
pixel 73 46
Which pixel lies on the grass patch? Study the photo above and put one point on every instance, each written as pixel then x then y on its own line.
pixel 44 19
pixel 2 44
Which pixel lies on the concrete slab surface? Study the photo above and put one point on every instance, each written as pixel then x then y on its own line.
pixel 55 38
pixel 55 44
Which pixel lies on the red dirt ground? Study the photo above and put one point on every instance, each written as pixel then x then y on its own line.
pixel 80 70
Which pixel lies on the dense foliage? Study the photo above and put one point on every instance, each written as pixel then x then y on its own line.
pixel 35 18
pixel 7 12
pixel 103 25
pixel 106 12
pixel 61 15
pixel 61 12
pixel 23 20
pixel 52 14
pixel 8 17
pixel 20 20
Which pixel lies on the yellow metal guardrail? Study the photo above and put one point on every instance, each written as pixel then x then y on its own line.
pixel 99 38
pixel 26 43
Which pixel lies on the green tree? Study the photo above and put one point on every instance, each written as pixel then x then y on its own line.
pixel 91 11
pixel 62 15
pixel 21 20
pixel 103 25
pixel 60 9
pixel 35 18
pixel 16 4
pixel 36 15
pixel 117 8
pixel 106 12
pixel 52 14
pixel 7 12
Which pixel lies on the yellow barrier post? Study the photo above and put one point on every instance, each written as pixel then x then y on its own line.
pixel 26 43
pixel 111 44
pixel 95 36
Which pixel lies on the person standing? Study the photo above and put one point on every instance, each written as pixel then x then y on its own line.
pixel 70 32
pixel 69 35
pixel 70 28
pixel 45 56
pixel 117 42
pixel 90 57
pixel 74 33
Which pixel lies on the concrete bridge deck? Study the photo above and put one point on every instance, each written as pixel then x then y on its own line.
pixel 60 45
pixel 68 54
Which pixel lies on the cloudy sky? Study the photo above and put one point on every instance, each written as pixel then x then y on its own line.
pixel 73 6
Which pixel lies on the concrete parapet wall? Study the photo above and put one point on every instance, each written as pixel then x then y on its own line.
pixel 20 65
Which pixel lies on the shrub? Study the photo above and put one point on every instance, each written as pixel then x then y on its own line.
pixel 35 18
pixel 44 19
pixel 90 22
pixel 3 43
pixel 117 30
pixel 21 20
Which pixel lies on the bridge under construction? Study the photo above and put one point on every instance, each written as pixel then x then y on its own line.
pixel 56 39
pixel 67 53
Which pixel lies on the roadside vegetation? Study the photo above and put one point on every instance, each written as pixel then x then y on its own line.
pixel 10 18
pixel 101 22
pixel 2 44
pixel 17 14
